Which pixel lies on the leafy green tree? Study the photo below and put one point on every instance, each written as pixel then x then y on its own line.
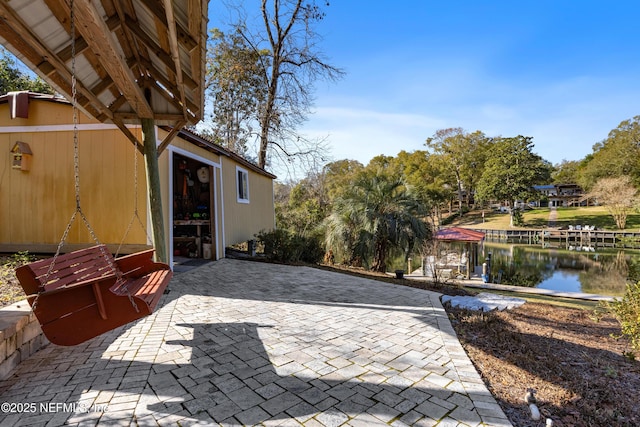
pixel 300 211
pixel 466 154
pixel 427 174
pixel 618 155
pixel 281 193
pixel 511 171
pixel 343 230
pixel 388 164
pixel 305 208
pixel 339 175
pixel 566 172
pixel 12 78
pixel 378 215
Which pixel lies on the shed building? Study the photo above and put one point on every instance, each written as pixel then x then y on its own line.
pixel 211 197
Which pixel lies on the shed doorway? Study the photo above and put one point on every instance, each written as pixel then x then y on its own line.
pixel 193 211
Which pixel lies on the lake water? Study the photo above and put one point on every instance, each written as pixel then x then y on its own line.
pixel 596 271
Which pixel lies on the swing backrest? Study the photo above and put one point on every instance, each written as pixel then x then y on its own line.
pixel 70 268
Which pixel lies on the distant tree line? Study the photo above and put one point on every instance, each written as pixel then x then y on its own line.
pixel 15 78
pixel 364 214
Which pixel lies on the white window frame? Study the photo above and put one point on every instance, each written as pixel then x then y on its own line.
pixel 241 172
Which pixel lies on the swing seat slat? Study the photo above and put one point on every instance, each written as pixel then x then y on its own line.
pixel 148 288
pixel 72 268
pixel 89 293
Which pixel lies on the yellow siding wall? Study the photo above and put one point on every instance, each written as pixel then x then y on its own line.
pixel 36 206
pixel 244 220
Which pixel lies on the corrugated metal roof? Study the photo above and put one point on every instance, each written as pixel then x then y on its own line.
pixel 203 142
pixel 134 58
pixel 458 234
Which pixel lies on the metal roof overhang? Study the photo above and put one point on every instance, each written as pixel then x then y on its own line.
pixel 134 59
pixel 458 234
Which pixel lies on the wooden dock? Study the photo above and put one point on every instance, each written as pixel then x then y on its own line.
pixel 593 238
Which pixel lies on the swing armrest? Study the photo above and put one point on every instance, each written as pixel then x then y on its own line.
pixel 27 279
pixel 139 264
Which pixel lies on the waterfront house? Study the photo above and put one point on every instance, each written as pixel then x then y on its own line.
pixel 561 195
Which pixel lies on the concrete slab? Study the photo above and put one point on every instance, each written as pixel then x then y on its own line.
pixel 484 302
pixel 245 343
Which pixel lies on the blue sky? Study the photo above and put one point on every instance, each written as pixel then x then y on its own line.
pixel 564 72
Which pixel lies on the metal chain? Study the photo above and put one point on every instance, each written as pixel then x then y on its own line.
pixel 76 173
pixel 136 214
pixel 135 179
pixel 132 301
pixel 76 158
pixel 76 148
pixel 74 100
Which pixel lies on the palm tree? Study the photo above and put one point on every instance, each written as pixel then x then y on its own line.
pixel 343 232
pixel 377 215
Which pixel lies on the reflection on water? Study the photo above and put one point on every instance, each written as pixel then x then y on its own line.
pixel 600 271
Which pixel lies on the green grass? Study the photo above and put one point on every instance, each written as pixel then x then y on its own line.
pixel 539 218
pixel 536 218
pixel 492 220
pixel 595 215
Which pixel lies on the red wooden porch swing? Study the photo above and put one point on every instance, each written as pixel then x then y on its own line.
pixel 82 294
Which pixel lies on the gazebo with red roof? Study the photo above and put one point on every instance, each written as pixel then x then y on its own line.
pixel 465 235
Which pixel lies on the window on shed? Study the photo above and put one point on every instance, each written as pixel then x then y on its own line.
pixel 242 180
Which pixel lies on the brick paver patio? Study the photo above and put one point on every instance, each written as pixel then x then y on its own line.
pixel 244 343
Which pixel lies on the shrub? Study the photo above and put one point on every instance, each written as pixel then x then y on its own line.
pixel 454 216
pixel 308 249
pixel 627 311
pixel 10 290
pixel 20 258
pixel 518 217
pixel 275 244
pixel 284 246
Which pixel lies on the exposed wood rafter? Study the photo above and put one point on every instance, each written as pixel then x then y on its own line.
pixel 122 48
pixel 99 38
pixel 183 35
pixel 172 134
pixel 19 34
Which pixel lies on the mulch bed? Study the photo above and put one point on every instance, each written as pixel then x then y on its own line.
pixel 10 290
pixel 574 363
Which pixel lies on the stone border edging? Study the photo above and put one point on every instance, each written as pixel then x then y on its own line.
pixel 20 336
